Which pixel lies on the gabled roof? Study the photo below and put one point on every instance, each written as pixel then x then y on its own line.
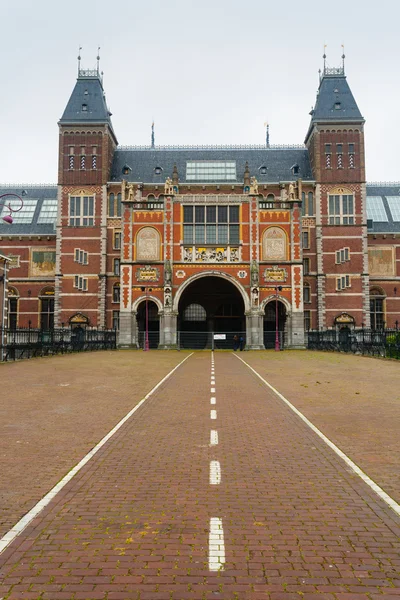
pixel 87 103
pixel 34 197
pixel 268 165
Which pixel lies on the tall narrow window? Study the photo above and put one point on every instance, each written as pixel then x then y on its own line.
pixel 328 156
pixel 307 320
pixel 306 266
pixel 310 204
pixel 117 240
pixel 351 156
pixel 115 320
pixel 116 292
pixel 12 308
pixel 71 158
pixel 339 155
pixel 116 266
pixel 47 310
pixel 303 203
pixel 306 293
pixel 111 205
pixel 377 306
pixel 306 238
pixel 118 205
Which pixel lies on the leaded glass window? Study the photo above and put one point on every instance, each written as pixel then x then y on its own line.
pixel 48 212
pixel 211 225
pixel 376 209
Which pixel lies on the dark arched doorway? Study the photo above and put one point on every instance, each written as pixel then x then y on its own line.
pixel 270 323
pixel 153 323
pixel 211 306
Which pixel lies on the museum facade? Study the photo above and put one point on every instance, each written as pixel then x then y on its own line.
pixel 194 241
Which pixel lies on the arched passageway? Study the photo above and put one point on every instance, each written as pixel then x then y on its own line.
pixel 152 321
pixel 210 306
pixel 270 323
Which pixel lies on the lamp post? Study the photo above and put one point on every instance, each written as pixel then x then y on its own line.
pixel 278 288
pixel 6 200
pixel 146 345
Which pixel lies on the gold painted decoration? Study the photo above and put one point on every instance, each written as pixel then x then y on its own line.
pixel 275 275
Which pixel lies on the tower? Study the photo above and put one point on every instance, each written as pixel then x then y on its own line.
pixel 86 147
pixel 335 140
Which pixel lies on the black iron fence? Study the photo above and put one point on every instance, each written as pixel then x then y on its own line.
pixel 27 342
pixel 373 342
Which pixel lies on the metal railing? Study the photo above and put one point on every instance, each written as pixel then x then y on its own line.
pixel 372 342
pixel 27 342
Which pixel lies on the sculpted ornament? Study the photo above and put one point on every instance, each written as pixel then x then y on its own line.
pixel 168 187
pixel 253 186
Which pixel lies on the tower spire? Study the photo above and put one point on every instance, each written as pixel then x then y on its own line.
pixel 152 134
pixel 343 57
pixel 98 60
pixel 324 57
pixel 79 59
pixel 267 134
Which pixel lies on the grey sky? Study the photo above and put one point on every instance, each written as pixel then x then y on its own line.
pixel 207 71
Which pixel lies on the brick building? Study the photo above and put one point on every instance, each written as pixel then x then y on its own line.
pixel 212 239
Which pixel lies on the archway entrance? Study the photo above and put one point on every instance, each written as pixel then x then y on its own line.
pixel 210 306
pixel 153 323
pixel 270 324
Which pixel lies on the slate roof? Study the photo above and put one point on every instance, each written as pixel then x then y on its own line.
pixel 87 103
pixel 278 161
pixel 38 192
pixel 384 190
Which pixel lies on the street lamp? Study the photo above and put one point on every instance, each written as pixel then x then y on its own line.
pixel 278 288
pixel 7 200
pixel 146 345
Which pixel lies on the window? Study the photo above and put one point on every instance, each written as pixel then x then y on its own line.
pixel 307 320
pixel 211 170
pixel 342 256
pixel 126 170
pixel 84 107
pixel 47 311
pixel 94 162
pixel 306 293
pixel 343 282
pixel 71 158
pixel 339 155
pixel 23 216
pixel 394 205
pixel 194 312
pixel 377 306
pixel 117 240
pixel 351 156
pixel 83 162
pixel 328 156
pixel 211 224
pixel 306 238
pixel 116 266
pixel 263 170
pixel 12 308
pixel 158 170
pixel 114 205
pixel 376 209
pixel 81 256
pixel 48 212
pixel 311 203
pixel 303 203
pixel 115 319
pixel 116 292
pixel 306 266
pixel 341 209
pixel 81 283
pixel 81 211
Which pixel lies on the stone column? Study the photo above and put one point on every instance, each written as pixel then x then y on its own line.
pixel 128 331
pixel 296 335
pixel 168 330
pixel 255 330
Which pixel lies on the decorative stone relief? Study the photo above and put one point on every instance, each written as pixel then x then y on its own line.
pixel 242 274
pixel 148 273
pixel 148 244
pixel 274 244
pixel 207 255
pixel 181 274
pixel 275 275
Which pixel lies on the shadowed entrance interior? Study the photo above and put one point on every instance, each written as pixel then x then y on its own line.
pixel 210 304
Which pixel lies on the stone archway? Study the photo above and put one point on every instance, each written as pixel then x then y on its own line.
pixel 274 308
pixel 211 311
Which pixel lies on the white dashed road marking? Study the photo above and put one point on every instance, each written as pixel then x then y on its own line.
pixel 213 390
pixel 213 437
pixel 213 414
pixel 213 400
pixel 216 545
pixel 215 472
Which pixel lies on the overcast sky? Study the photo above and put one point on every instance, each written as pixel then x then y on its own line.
pixel 207 71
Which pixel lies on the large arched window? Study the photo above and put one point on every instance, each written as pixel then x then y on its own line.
pixel 194 312
pixel 274 244
pixel 148 244
pixel 46 302
pixel 377 307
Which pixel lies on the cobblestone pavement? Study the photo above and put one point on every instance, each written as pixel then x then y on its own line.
pixel 354 400
pixel 288 519
pixel 54 410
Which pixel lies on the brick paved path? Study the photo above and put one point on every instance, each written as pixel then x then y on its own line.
pixel 134 523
